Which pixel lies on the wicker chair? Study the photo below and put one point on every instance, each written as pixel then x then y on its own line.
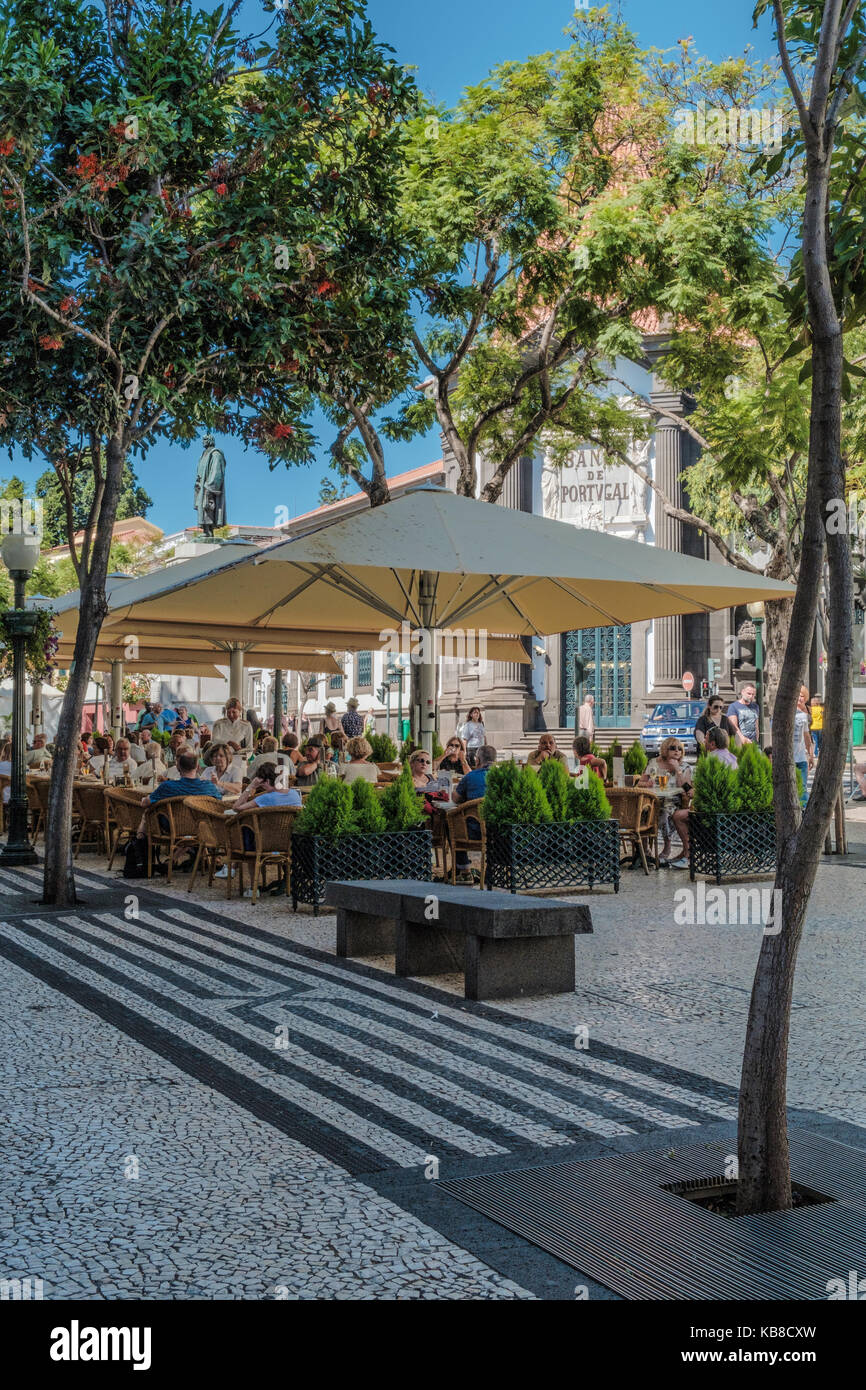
pixel 34 806
pixel 123 815
pixel 88 803
pixel 637 813
pixel 271 829
pixel 458 835
pixel 213 837
pixel 182 831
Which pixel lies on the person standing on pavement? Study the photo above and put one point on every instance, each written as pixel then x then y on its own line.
pixel 586 718
pixel 473 734
pixel 743 714
pixel 804 758
pixel 713 717
pixel 817 707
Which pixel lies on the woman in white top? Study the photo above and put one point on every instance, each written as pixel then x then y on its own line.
pixel 359 765
pixel 474 734
pixel 220 769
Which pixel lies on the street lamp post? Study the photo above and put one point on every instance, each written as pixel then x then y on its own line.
pixel 756 613
pixel 20 551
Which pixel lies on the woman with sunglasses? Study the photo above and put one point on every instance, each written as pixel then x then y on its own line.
pixel 714 717
pixel 455 759
pixel 421 767
pixel 669 763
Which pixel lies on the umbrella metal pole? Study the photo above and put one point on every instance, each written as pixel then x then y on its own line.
pixel 37 717
pixel 117 699
pixel 18 849
pixel 278 706
pixel 427 672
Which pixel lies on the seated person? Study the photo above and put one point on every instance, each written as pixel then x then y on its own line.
pixel 264 790
pixel 420 764
pixel 717 741
pixel 38 754
pixel 6 765
pixel 136 748
pixel 312 764
pixel 546 749
pixel 221 771
pixel 454 758
pixel 185 721
pixel 153 769
pixel 860 774
pixel 147 718
pixel 176 744
pixel 122 764
pixel 669 763
pixel 339 744
pixel 291 749
pixel 187 784
pixel 359 764
pixel 104 748
pixel 584 757
pixel 267 754
pixel 469 788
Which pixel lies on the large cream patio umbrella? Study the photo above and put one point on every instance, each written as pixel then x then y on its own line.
pixel 432 560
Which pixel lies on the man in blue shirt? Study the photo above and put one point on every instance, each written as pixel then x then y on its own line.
pixel 166 718
pixel 469 788
pixel 187 784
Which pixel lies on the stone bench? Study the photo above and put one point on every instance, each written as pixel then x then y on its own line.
pixel 506 944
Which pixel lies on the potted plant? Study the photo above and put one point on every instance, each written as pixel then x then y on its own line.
pixel 384 748
pixel 351 831
pixel 546 833
pixel 635 762
pixel 731 824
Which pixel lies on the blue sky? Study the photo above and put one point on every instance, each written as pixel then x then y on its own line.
pixel 451 44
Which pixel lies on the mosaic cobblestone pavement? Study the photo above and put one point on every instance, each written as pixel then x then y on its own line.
pixel 193 1102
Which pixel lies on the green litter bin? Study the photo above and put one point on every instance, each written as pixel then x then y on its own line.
pixel 404 729
pixel 858 728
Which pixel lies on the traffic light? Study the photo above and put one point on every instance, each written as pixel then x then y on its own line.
pixel 712 673
pixel 705 690
pixel 382 693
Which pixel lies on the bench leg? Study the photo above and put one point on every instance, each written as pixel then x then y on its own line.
pixel 515 966
pixel 363 934
pixel 428 950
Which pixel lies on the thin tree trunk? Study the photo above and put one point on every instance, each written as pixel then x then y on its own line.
pixel 59 879
pixel 762 1144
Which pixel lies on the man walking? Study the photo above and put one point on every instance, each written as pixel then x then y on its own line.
pixel 586 719
pixel 743 714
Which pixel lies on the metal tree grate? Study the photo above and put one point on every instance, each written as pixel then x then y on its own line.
pixel 616 1220
pixel 732 845
pixel 392 854
pixel 549 858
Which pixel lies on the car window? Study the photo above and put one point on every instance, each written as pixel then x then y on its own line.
pixel 674 714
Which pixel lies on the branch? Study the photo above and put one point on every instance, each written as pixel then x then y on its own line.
pixel 679 513
pixel 809 135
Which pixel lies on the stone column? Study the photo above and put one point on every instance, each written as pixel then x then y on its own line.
pixel 668 645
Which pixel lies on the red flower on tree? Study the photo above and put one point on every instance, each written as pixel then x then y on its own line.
pixel 281 431
pixel 326 288
pixel 221 189
pixel 50 343
pixel 7 147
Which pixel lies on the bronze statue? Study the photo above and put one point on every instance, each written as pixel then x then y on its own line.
pixel 210 487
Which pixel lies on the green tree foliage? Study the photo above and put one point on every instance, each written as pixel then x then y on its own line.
pixel 754 780
pixel 132 501
pixel 557 787
pixel 716 790
pixel 635 759
pixel 328 810
pixel 499 793
pixel 588 802
pixel 402 806
pixel 368 818
pixel 198 230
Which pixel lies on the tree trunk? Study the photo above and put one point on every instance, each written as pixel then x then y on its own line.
pixel 776 629
pixel 762 1143
pixel 59 879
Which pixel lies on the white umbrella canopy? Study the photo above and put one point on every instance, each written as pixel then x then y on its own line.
pixel 52 699
pixel 432 559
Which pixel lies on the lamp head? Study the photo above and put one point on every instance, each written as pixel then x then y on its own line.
pixel 20 551
pixel 755 611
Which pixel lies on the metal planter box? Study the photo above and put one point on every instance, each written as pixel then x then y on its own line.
pixel 554 857
pixel 732 844
pixel 316 860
